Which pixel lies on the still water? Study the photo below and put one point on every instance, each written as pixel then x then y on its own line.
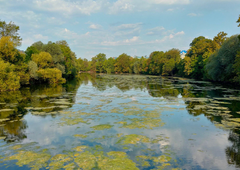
pixel 118 122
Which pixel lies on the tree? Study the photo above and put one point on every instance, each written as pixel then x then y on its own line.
pixel 9 80
pixel 38 45
pixel 236 67
pixel 155 62
pixel 100 59
pixel 219 39
pixel 122 64
pixel 168 67
pixel 109 65
pixel 55 51
pixel 199 52
pixel 33 68
pixel 69 59
pixel 172 58
pixel 238 21
pixel 11 30
pixel 43 59
pixel 29 52
pixel 8 51
pixel 21 70
pixel 52 75
pixel 220 64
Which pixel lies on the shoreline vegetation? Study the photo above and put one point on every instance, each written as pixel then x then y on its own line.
pixel 216 60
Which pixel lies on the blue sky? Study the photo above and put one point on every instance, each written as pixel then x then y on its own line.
pixel 113 27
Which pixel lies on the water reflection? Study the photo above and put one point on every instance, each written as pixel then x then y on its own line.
pixel 120 121
pixel 15 105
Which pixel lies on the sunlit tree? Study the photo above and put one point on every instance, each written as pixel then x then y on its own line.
pixel 10 30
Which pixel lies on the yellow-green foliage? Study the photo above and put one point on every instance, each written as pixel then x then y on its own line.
pixel 9 80
pixel 42 59
pixel 22 71
pixel 33 68
pixel 7 49
pixel 52 75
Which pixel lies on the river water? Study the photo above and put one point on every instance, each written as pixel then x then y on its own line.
pixel 118 122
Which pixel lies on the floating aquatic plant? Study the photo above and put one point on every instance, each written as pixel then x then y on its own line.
pixel 102 127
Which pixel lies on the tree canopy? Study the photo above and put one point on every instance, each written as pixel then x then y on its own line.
pixel 10 30
pixel 238 21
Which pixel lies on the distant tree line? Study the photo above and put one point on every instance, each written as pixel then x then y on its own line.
pixel 216 59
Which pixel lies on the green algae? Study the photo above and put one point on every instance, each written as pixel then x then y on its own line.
pixel 80 136
pixel 235 120
pixel 72 121
pixel 16 147
pixel 6 110
pixel 142 123
pixel 58 161
pixel 80 148
pixel 162 159
pixel 133 139
pixel 102 127
pixel 34 160
pixel 89 132
pixel 114 160
pixel 2 137
pixel 228 124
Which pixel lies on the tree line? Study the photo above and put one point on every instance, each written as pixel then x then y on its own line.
pixel 216 59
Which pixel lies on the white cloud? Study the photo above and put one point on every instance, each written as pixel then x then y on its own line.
pixel 169 2
pixel 132 40
pixel 121 5
pixel 178 33
pixel 85 7
pixel 142 5
pixel 95 26
pixel 120 43
pixel 128 26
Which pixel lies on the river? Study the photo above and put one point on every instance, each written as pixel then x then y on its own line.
pixel 118 122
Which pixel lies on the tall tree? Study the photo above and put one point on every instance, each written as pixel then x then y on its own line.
pixel 11 30
pixel 219 39
pixel 155 62
pixel 100 58
pixel 69 59
pixel 200 50
pixel 109 65
pixel 122 64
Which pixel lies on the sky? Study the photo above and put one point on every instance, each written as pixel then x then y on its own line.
pixel 113 27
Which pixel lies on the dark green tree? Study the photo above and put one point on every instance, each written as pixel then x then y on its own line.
pixel 155 62
pixel 220 64
pixel 29 52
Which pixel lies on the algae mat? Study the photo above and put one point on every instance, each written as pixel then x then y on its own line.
pixel 118 122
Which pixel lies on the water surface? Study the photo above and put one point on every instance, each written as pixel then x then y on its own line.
pixel 121 122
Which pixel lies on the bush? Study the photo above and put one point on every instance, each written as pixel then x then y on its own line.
pixel 52 75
